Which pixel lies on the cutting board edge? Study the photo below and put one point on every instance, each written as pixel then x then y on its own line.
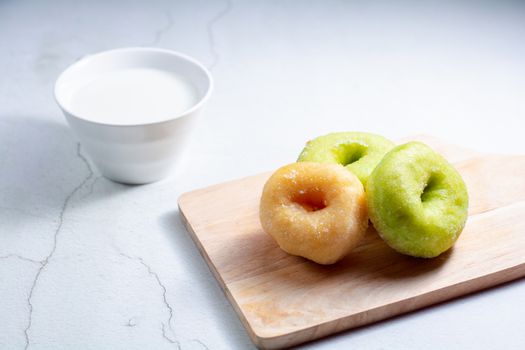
pixel 238 311
pixel 435 297
pixel 182 197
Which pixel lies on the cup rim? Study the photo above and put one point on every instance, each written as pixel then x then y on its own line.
pixel 86 60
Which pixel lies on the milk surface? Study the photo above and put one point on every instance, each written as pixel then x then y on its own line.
pixel 134 96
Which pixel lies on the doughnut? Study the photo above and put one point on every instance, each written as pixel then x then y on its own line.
pixel 314 210
pixel 359 152
pixel 417 201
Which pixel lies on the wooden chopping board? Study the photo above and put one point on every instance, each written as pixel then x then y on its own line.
pixel 284 300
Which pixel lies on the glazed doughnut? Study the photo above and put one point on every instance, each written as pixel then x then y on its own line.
pixel 314 210
pixel 359 152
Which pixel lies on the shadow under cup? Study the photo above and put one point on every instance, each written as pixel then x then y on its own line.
pixel 133 153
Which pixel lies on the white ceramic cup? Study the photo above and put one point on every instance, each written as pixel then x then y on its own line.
pixel 135 153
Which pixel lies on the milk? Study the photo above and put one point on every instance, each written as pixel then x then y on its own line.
pixel 134 96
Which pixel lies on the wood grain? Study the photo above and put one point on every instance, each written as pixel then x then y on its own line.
pixel 285 300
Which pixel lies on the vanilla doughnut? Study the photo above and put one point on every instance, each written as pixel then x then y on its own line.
pixel 314 210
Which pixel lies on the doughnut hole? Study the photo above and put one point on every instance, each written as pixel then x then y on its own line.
pixel 310 199
pixel 349 153
pixel 433 187
pixel 314 210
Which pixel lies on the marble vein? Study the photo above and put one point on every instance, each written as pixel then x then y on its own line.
pixel 201 343
pixel 165 336
pixel 21 258
pixel 91 188
pixel 164 292
pixel 45 261
pixel 210 26
pixel 160 32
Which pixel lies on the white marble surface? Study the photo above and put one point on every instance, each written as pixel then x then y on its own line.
pixel 86 263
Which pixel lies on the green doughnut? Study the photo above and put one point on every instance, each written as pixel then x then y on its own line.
pixel 359 152
pixel 417 201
